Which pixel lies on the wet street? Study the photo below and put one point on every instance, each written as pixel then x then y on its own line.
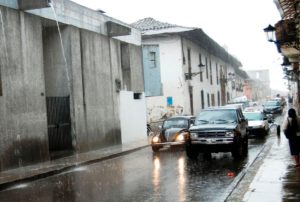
pixel 140 176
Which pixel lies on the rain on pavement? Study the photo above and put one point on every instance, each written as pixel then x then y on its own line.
pixel 140 176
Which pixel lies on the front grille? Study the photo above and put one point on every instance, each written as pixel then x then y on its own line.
pixel 211 134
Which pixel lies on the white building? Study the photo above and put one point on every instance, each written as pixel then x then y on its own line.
pixel 184 69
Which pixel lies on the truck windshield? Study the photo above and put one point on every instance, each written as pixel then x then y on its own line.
pixel 216 116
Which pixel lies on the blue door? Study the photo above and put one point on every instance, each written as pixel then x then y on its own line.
pixel 151 63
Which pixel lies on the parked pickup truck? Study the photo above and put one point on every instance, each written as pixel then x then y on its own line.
pixel 220 129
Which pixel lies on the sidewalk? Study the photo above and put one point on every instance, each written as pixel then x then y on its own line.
pixel 45 169
pixel 275 180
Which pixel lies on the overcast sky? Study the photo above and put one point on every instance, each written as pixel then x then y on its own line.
pixel 236 24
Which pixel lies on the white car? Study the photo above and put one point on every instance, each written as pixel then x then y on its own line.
pixel 257 123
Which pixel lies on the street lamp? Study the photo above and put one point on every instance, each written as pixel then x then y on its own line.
pixel 230 77
pixel 189 75
pixel 270 33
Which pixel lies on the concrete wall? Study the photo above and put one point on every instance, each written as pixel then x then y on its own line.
pixel 33 67
pixel 94 64
pixel 133 117
pixel 103 127
pixel 23 121
pixel 55 66
pixel 137 75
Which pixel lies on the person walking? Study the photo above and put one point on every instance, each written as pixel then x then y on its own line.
pixel 291 128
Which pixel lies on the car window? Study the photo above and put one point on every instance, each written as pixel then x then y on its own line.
pixel 254 116
pixel 272 103
pixel 175 123
pixel 216 116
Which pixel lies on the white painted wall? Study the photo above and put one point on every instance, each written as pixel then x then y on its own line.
pixel 205 85
pixel 171 78
pixel 132 117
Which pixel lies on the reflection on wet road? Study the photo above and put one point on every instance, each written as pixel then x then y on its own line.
pixel 140 176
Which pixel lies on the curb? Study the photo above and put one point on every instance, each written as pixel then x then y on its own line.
pixel 52 172
pixel 235 183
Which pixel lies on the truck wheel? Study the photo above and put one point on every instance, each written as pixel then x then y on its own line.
pixel 155 148
pixel 237 151
pixel 245 147
pixel 207 155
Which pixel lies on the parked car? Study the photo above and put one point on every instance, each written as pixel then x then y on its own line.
pixel 272 107
pixel 258 125
pixel 280 99
pixel 221 129
pixel 173 132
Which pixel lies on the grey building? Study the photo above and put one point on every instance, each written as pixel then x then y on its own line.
pixel 260 84
pixel 62 90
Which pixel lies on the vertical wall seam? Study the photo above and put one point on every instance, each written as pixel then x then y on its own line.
pixel 83 87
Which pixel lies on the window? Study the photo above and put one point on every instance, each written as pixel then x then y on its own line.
pixel 137 96
pixel 189 61
pixel 208 100
pixel 200 62
pixel 152 59
pixel 213 99
pixel 202 99
pixel 217 73
pixel 219 100
pixel 210 72
pixel 206 67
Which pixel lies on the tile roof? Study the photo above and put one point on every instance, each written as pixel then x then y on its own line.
pixel 152 27
pixel 152 24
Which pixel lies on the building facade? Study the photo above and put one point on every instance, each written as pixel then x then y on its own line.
pixel 259 84
pixel 65 80
pixel 184 70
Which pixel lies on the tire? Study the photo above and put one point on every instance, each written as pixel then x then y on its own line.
pixel 155 148
pixel 191 152
pixel 245 147
pixel 237 151
pixel 207 155
pixel 266 132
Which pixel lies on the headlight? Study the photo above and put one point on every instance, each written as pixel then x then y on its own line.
pixel 229 134
pixel 180 138
pixel 155 139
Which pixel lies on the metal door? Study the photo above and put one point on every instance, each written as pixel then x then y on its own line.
pixel 59 123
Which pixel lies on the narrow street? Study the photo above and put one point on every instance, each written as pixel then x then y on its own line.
pixel 141 176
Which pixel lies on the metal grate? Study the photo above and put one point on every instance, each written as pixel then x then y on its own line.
pixel 59 123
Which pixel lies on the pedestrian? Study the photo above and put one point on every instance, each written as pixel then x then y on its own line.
pixel 291 131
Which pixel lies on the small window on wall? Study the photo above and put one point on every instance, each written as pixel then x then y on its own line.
pixel 137 96
pixel 152 59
